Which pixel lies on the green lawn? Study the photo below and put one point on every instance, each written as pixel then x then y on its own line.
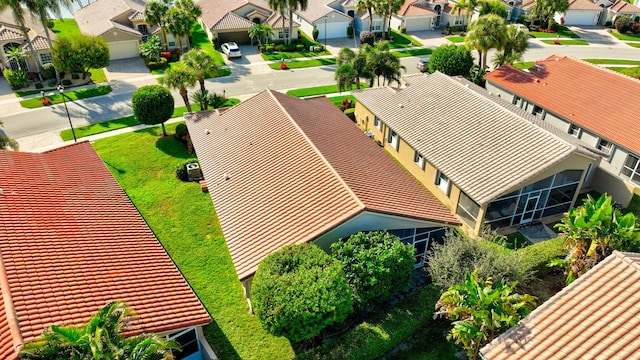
pixel 613 61
pixel 127 121
pixel 185 222
pixel 563 32
pixel 634 37
pixel 566 42
pixel 455 38
pixel 66 28
pixel 524 65
pixel 632 71
pixel 402 40
pixel 305 63
pixel 319 90
pixel 411 52
pixel 292 55
pixel 635 45
pixel 337 100
pixel 56 98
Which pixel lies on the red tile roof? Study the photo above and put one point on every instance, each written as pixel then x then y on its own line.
pixel 282 170
pixel 624 7
pixel 71 241
pixel 580 92
pixel 413 8
pixel 596 317
pixel 583 5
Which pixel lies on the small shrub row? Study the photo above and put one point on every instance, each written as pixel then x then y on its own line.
pixel 162 64
pixel 17 79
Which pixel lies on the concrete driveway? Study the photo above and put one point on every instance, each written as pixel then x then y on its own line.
pixel 126 69
pixel 596 35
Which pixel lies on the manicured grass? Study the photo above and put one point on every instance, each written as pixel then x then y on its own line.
pixel 563 32
pixel 411 52
pixel 127 121
pixel 403 40
pixel 613 61
pixel 56 98
pixel 455 38
pixel 632 71
pixel 524 65
pixel 292 55
pixel 98 76
pixel 566 42
pixel 383 331
pixel 635 45
pixel 66 28
pixel 305 63
pixel 634 37
pixel 319 90
pixel 185 222
pixel 337 100
pixel 199 39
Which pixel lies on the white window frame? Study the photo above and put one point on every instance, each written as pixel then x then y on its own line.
pixel 574 130
pixel 376 25
pixel 418 159
pixel 176 335
pixel 393 139
pixel 635 170
pixel 605 146
pixel 442 182
pixel 459 20
pixel 48 60
pixel 283 34
pixel 537 110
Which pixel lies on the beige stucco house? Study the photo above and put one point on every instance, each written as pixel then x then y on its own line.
pixel 11 36
pixel 488 161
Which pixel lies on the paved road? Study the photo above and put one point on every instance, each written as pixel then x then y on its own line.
pixel 241 84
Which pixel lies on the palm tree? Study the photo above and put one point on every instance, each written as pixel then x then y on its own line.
pixel 487 32
pixel 345 76
pixel 260 31
pixel 155 13
pixel 16 54
pixel 180 77
pixel 279 6
pixel 386 9
pixel 345 56
pixel 100 339
pixel 179 23
pixel 6 143
pixel 294 5
pixel 515 43
pixel 468 6
pixel 18 16
pixel 202 62
pixel 480 311
pixel 362 5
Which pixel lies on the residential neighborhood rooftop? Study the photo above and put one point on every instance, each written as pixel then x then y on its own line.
pixel 283 170
pixel 71 241
pixel 592 91
pixel 97 17
pixel 485 145
pixel 596 317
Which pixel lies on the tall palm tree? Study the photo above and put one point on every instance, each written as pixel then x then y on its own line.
pixel 515 43
pixel 279 6
pixel 293 6
pixel 466 6
pixel 180 77
pixel 260 31
pixel 203 63
pixel 18 16
pixel 487 32
pixel 179 23
pixel 155 13
pixel 362 5
pixel 386 9
pixel 100 339
pixel 16 54
pixel 345 75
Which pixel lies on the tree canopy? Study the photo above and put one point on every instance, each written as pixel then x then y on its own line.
pixel 80 54
pixel 203 63
pixel 180 77
pixel 485 33
pixel 152 104
pixel 452 60
pixel 546 9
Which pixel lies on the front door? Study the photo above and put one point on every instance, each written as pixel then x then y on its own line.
pixel 530 207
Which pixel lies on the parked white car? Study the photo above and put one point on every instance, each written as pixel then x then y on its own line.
pixel 231 49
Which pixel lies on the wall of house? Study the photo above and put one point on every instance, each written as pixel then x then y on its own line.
pixel 620 190
pixel 118 35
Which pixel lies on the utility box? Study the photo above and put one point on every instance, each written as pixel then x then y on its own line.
pixel 193 172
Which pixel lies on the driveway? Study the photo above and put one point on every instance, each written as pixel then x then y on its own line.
pixel 596 35
pixel 126 69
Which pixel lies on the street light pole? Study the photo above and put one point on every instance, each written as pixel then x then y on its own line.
pixel 325 32
pixel 61 90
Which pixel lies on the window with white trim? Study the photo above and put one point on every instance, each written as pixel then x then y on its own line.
pixel 283 34
pixel 468 209
pixel 574 130
pixel 188 341
pixel 536 110
pixel 393 139
pixel 459 20
pixel 418 159
pixel 377 25
pixel 377 123
pixel 46 58
pixel 442 182
pixel 605 146
pixel 631 168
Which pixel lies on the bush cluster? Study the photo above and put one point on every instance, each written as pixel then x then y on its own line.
pixel 17 79
pixel 48 71
pixel 181 169
pixel 39 86
pixel 181 131
pixel 624 24
pixel 367 37
pixel 66 82
pixel 162 64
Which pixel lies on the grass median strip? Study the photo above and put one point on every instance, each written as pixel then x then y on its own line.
pixel 411 52
pixel 319 90
pixel 566 42
pixel 56 98
pixel 563 32
pixel 613 61
pixel 304 63
pixel 455 38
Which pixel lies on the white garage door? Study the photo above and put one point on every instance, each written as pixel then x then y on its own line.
pixel 334 30
pixel 123 49
pixel 418 24
pixel 577 17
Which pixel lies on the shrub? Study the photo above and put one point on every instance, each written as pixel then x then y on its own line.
pixel 166 55
pixel 451 60
pixel 403 30
pixel 608 24
pixel 152 65
pixel 350 32
pixel 299 290
pixel 350 114
pixel 279 47
pixel 181 169
pixel 152 105
pixel 536 257
pixel 17 79
pixel 75 76
pixel 554 26
pixel 460 255
pixel 269 49
pixel 39 86
pixel 376 264
pixel 50 24
pixel 367 37
pixel 174 57
pixel 181 131
pixel 66 82
pixel 315 34
pixel 624 24
pixel 299 47
pixel 261 48
pixel 51 83
pixel 48 71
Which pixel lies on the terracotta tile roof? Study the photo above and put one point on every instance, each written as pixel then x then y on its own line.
pixel 318 9
pixel 214 11
pixel 581 93
pixel 583 5
pixel 71 241
pixel 528 4
pixel 296 169
pixel 10 31
pixel 97 18
pixel 232 21
pixel 468 134
pixel 413 8
pixel 275 21
pixel 596 317
pixel 624 7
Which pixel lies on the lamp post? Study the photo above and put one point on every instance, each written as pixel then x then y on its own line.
pixel 325 32
pixel 61 90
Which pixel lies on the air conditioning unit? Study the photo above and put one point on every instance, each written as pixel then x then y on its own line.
pixel 193 172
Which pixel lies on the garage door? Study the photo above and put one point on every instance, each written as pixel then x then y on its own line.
pixel 239 37
pixel 576 17
pixel 123 49
pixel 418 24
pixel 334 30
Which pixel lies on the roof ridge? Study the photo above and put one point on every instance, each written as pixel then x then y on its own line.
pixel 317 151
pixel 625 257
pixel 555 57
pixel 12 318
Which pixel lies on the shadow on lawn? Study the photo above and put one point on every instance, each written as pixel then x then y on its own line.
pixel 169 144
pixel 219 342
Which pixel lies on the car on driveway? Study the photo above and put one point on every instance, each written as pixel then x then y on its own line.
pixel 231 49
pixel 423 64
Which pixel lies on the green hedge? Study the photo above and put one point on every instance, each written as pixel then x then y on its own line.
pixel 537 256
